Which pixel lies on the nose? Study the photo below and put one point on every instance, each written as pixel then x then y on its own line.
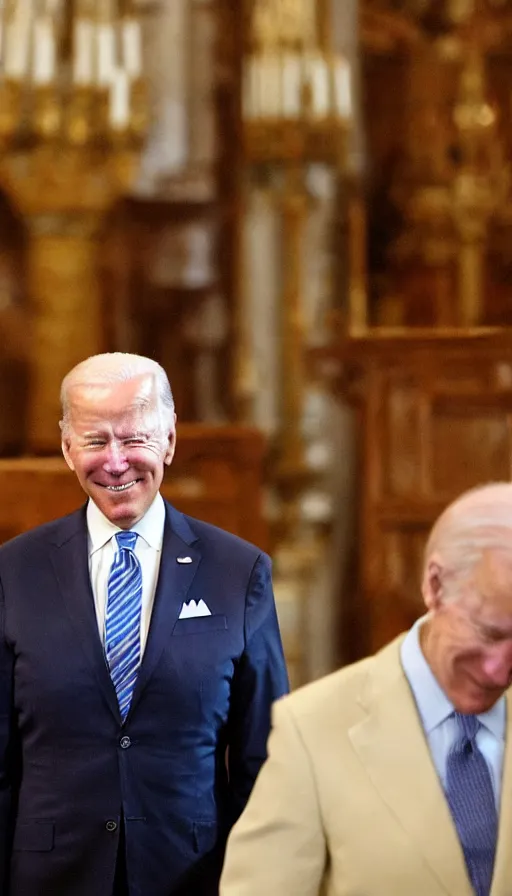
pixel 497 665
pixel 115 461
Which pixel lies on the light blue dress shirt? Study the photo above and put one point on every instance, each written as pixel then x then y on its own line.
pixel 434 709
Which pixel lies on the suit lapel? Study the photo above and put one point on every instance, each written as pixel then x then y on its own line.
pixel 391 744
pixel 502 883
pixel 174 581
pixel 69 557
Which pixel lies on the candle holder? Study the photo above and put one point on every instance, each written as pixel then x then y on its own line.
pixel 139 109
pixel 47 113
pixel 10 103
pixel 284 142
pixel 81 119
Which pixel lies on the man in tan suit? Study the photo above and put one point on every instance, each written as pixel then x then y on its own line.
pixel 393 777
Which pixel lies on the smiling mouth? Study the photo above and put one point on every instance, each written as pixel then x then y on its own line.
pixel 120 488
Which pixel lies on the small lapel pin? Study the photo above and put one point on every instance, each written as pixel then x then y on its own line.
pixel 183 559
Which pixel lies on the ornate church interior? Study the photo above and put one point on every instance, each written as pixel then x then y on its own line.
pixel 301 209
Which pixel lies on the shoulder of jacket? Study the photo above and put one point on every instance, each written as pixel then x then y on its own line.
pixel 56 531
pixel 223 539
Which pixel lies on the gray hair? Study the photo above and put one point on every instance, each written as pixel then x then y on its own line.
pixel 116 367
pixel 478 521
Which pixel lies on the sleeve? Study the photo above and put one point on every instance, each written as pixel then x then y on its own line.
pixel 278 845
pixel 7 752
pixel 260 678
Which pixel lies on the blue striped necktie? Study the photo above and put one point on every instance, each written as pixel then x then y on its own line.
pixel 470 796
pixel 122 620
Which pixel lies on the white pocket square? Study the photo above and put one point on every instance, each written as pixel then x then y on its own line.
pixel 190 610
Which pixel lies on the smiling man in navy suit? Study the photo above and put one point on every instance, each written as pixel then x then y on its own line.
pixel 139 658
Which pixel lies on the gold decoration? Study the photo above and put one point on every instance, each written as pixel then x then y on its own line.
pixel 455 180
pixel 481 183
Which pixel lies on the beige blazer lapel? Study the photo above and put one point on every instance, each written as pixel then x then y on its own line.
pixel 502 879
pixel 391 744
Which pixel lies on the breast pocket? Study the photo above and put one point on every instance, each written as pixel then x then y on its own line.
pixel 197 625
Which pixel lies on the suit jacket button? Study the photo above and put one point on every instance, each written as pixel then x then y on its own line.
pixel 125 742
pixel 111 826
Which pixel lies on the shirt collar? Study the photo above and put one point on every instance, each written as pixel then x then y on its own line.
pixel 433 705
pixel 150 527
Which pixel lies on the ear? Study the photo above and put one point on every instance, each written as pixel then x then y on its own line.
pixel 65 444
pixel 432 585
pixel 171 445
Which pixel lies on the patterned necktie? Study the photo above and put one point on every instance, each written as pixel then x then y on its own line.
pixel 471 799
pixel 122 620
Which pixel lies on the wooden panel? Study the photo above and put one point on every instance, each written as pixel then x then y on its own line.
pixel 436 419
pixel 216 476
pixel 404 434
pixel 469 444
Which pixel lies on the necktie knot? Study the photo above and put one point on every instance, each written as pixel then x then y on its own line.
pixel 126 540
pixel 467 726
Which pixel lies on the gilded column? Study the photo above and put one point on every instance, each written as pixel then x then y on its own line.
pixel 66 299
pixel 63 194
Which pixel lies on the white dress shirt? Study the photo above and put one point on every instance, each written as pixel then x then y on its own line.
pixel 434 708
pixel 102 548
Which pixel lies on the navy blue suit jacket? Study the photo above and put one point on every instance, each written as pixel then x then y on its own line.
pixel 180 770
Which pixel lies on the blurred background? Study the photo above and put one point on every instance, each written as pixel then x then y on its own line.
pixel 301 208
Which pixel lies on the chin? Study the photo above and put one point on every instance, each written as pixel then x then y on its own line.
pixel 120 513
pixel 127 512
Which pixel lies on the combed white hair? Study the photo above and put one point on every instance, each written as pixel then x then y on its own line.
pixel 116 367
pixel 478 521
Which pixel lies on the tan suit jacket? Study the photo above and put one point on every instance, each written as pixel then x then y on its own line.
pixel 349 802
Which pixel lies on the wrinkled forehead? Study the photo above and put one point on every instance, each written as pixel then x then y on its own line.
pixel 133 398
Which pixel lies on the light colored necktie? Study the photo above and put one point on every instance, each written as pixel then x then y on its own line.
pixel 470 796
pixel 122 619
